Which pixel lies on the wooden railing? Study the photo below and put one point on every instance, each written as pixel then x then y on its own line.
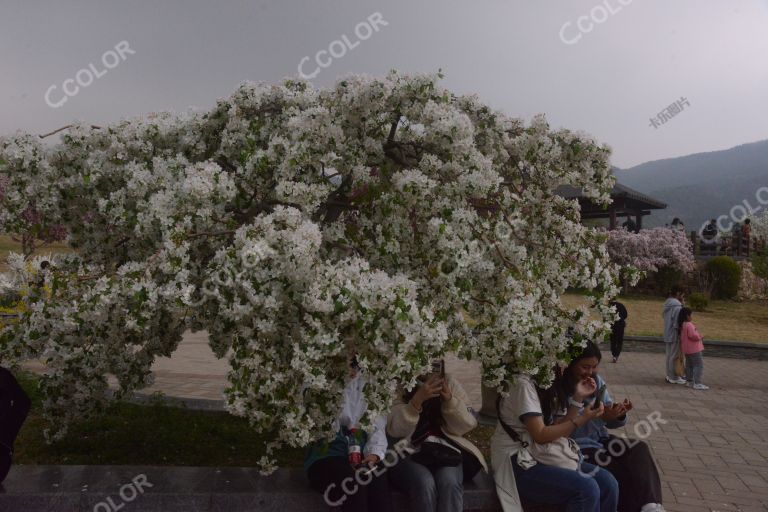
pixel 735 245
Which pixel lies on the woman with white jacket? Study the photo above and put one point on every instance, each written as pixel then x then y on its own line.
pixel 353 486
pixel 435 413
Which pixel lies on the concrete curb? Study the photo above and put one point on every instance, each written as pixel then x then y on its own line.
pixel 197 404
pixel 707 342
pixel 187 489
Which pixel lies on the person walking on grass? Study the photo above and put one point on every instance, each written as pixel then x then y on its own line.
pixel 672 307
pixel 692 345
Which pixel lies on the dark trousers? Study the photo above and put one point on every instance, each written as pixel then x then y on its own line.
pixel 617 338
pixel 630 461
pixel 14 407
pixel 335 479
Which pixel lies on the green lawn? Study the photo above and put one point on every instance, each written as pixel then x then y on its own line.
pixel 723 319
pixel 157 435
pixel 152 435
pixel 8 245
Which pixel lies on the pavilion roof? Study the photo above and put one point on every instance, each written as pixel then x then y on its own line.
pixel 618 193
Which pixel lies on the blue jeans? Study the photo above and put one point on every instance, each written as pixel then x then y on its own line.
pixel 579 491
pixel 440 489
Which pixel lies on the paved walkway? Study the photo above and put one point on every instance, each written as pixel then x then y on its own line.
pixel 712 452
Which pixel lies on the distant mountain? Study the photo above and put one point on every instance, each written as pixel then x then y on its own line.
pixel 704 185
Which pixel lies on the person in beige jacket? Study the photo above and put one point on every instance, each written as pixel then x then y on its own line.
pixel 435 411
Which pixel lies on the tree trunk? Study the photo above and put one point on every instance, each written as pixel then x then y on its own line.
pixel 489 395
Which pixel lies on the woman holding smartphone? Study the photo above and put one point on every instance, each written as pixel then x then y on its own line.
pixel 533 456
pixel 435 417
pixel 630 461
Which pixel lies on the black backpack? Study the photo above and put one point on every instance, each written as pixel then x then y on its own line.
pixel 14 407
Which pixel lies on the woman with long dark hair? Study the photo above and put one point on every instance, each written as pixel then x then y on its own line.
pixel 435 417
pixel 692 346
pixel 533 457
pixel 630 461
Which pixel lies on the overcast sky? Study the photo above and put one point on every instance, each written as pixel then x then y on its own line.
pixel 623 66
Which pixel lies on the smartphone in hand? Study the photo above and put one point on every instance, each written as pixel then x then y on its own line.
pixel 599 397
pixel 438 367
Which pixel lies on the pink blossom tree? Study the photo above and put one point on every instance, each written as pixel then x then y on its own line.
pixel 650 251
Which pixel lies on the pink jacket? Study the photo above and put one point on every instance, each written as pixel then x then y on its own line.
pixel 690 339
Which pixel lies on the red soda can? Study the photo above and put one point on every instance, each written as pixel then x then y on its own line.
pixel 354 453
pixel 355 456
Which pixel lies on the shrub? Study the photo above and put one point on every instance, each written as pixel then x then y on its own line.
pixel 760 263
pixel 725 275
pixel 666 278
pixel 698 301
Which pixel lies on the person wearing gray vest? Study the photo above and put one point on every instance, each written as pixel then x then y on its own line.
pixel 672 307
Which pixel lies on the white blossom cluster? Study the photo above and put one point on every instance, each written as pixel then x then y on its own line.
pixel 385 216
pixel 760 226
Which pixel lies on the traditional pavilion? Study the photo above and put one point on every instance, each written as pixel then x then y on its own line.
pixel 627 202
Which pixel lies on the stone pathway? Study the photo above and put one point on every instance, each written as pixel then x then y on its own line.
pixel 712 452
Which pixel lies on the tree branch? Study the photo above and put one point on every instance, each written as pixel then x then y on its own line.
pixel 393 128
pixel 54 132
pixel 211 233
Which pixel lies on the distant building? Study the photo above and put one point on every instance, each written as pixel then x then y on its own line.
pixel 626 202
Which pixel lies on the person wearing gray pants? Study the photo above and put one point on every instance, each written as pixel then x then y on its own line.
pixel 670 312
pixel 692 345
pixel 694 369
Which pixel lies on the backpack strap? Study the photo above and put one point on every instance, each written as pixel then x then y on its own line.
pixel 509 430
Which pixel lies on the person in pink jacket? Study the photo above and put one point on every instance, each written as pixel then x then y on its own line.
pixel 692 346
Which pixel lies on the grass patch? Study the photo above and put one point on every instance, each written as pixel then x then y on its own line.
pixel 7 245
pixel 723 319
pixel 156 435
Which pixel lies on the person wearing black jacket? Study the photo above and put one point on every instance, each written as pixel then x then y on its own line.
pixel 617 330
pixel 14 407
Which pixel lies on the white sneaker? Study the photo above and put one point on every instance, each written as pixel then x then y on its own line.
pixel 652 507
pixel 700 386
pixel 678 380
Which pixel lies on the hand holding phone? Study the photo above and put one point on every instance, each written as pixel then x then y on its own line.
pixel 599 397
pixel 438 367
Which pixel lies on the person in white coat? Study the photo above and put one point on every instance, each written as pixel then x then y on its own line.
pixel 359 487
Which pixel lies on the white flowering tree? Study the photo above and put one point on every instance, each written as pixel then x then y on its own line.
pixel 759 257
pixel 386 216
pixel 760 226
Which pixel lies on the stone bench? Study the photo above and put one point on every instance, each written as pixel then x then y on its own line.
pixel 187 489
